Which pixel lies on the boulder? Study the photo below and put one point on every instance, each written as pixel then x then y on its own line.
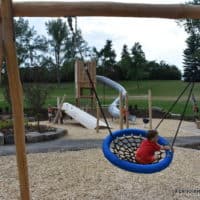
pixel 1 139
pixel 9 139
pixel 54 135
pixel 33 137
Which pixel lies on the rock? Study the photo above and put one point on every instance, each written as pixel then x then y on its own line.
pixel 61 132
pixel 54 135
pixel 1 139
pixel 33 137
pixel 9 139
pixel 31 119
pixel 50 136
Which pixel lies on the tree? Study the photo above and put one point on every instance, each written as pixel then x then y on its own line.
pixel 21 31
pixel 107 59
pixel 75 48
pixel 6 91
pixel 36 96
pixel 139 61
pixel 36 46
pixel 30 46
pixel 78 45
pixel 191 53
pixel 191 25
pixel 125 63
pixel 58 31
pixel 163 71
pixel 192 58
pixel 95 55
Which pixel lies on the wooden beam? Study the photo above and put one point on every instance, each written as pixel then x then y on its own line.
pixel 110 9
pixel 121 116
pixel 1 49
pixel 59 110
pixel 127 111
pixel 16 96
pixel 150 109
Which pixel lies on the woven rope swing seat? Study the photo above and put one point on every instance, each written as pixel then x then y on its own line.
pixel 120 147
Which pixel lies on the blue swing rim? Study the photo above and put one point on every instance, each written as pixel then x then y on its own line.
pixel 135 167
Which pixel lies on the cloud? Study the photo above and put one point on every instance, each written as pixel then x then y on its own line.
pixel 161 39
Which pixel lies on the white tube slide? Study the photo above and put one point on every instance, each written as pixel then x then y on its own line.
pixel 113 107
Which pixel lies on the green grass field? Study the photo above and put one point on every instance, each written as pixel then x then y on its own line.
pixel 163 93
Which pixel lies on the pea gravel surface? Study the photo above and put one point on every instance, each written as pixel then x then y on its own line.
pixel 87 175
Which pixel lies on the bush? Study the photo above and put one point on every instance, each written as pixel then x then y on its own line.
pixel 8 123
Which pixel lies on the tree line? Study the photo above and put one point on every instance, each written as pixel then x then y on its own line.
pixel 133 65
pixel 191 54
pixel 51 58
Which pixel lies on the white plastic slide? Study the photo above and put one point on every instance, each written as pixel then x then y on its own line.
pixel 81 116
pixel 113 108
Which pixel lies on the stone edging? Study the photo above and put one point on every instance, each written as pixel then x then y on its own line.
pixel 33 137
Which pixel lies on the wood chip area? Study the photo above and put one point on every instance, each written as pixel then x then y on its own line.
pixel 87 175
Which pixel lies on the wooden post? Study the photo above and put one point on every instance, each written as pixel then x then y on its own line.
pixel 150 108
pixel 59 110
pixel 58 104
pixel 98 116
pixel 16 96
pixel 58 101
pixel 1 49
pixel 121 123
pixel 127 112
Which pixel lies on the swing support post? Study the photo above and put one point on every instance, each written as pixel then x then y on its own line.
pixel 121 107
pixel 16 96
pixel 127 111
pixel 98 117
pixel 150 109
pixel 1 49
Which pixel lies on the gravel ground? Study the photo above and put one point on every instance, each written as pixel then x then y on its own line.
pixel 87 175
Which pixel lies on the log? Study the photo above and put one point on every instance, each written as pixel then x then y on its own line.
pixel 16 96
pixel 98 117
pixel 127 111
pixel 150 109
pixel 109 9
pixel 59 110
pixel 1 49
pixel 121 107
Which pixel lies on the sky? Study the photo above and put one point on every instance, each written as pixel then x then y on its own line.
pixel 161 39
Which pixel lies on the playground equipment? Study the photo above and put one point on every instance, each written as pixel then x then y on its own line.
pixel 123 143
pixel 59 9
pixel 82 84
pixel 195 111
pixel 82 117
pixel 114 106
pixel 58 115
pixel 119 148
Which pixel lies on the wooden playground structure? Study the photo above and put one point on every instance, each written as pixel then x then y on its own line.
pixel 82 83
pixel 9 10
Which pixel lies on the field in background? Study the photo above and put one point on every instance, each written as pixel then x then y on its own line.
pixel 163 92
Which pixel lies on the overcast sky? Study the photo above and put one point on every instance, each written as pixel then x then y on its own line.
pixel 161 39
